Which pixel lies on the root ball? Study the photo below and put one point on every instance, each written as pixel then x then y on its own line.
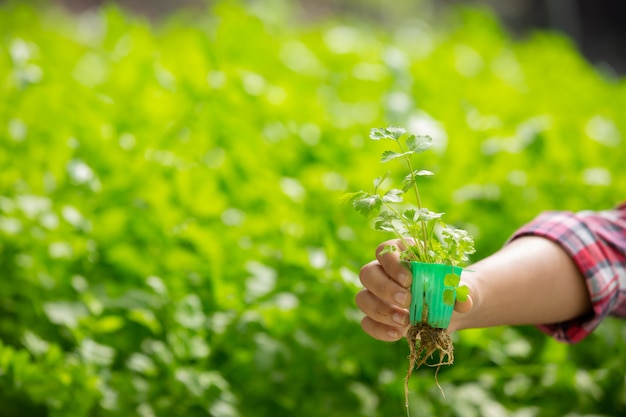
pixel 424 341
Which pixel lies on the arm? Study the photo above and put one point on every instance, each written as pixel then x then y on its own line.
pixel 563 272
pixel 530 281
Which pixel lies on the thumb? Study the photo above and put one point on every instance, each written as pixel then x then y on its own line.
pixel 465 306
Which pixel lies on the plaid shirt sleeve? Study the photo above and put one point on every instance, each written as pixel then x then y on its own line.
pixel 596 241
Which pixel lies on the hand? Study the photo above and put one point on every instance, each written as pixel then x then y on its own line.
pixel 387 296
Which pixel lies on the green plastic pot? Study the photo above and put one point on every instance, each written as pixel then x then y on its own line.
pixel 427 288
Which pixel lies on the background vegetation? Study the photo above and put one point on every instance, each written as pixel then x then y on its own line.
pixel 172 238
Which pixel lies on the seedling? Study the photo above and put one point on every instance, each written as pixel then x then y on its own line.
pixel 425 238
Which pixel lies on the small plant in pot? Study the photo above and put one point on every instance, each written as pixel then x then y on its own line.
pixel 432 249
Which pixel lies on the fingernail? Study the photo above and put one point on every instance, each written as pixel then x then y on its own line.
pixel 399 318
pixel 404 278
pixel 393 334
pixel 401 298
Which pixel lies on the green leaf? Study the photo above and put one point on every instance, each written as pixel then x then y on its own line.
pixel 384 225
pixel 448 297
pixel 409 214
pixel 392 133
pixel 108 324
pixel 393 196
pixel 350 197
pixel 411 178
pixel 379 180
pixel 418 144
pixel 451 280
pixel 390 155
pixel 146 318
pixel 462 293
pixel 368 204
pixel 427 215
pixel 423 173
pixel 387 249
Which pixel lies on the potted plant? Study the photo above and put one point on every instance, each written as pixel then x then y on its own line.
pixel 432 249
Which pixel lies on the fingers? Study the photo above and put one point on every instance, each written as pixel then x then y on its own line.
pixel 380 311
pixel 391 263
pixel 375 279
pixel 382 332
pixel 384 301
pixel 383 321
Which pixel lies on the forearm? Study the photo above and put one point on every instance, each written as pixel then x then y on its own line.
pixel 531 280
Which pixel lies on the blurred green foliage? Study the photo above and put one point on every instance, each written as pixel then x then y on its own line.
pixel 172 238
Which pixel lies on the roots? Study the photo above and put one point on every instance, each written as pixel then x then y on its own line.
pixel 424 341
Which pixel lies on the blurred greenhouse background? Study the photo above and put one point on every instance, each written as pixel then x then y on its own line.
pixel 172 236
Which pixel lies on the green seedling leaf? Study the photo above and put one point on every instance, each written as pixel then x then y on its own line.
pixel 418 144
pixel 409 214
pixel 352 197
pixel 384 225
pixel 407 184
pixel 368 204
pixel 423 173
pixel 387 249
pixel 411 178
pixel 391 155
pixel 427 215
pixel 393 196
pixel 409 255
pixel 392 133
pixel 384 222
pixel 379 180
pixel 451 280
pixel 448 297
pixel 462 293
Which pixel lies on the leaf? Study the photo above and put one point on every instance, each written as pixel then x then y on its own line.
pixel 427 215
pixel 146 318
pixel 108 324
pixel 387 249
pixel 448 297
pixel 95 353
pixel 423 173
pixel 390 155
pixel 379 180
pixel 384 225
pixel 377 134
pixel 451 280
pixel 409 214
pixel 462 293
pixel 411 178
pixel 363 202
pixel 393 196
pixel 350 197
pixel 418 144
pixel 368 204
pixel 392 133
pixel 65 313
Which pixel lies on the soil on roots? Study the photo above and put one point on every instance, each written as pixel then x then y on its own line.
pixel 424 341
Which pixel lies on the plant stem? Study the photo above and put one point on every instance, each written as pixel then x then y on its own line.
pixel 417 197
pixel 422 250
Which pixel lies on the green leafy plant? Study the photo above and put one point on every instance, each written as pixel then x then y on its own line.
pixel 425 238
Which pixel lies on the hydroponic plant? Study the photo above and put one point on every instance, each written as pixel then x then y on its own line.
pixel 431 248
